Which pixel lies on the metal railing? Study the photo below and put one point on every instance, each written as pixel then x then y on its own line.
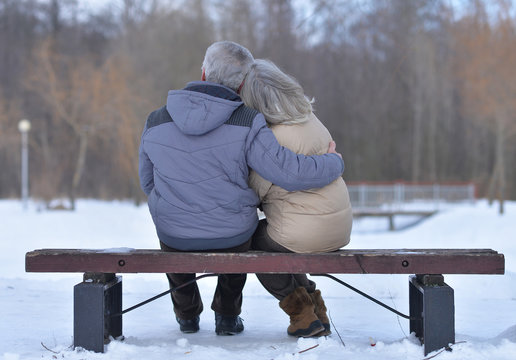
pixel 398 196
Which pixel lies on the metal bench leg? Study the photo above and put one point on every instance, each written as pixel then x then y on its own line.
pixel 95 299
pixel 431 300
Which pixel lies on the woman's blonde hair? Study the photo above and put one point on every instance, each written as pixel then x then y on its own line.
pixel 278 96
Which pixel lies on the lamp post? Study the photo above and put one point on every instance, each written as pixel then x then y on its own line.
pixel 24 127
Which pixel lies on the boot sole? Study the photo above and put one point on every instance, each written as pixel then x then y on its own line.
pixel 189 331
pixel 323 333
pixel 326 332
pixel 315 328
pixel 226 332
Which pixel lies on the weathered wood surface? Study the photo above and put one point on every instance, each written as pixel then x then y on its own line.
pixel 352 261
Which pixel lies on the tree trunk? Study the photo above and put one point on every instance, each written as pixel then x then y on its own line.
pixel 500 162
pixel 417 138
pixel 79 166
pixel 491 186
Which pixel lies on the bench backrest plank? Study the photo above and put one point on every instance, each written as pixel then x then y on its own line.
pixel 352 261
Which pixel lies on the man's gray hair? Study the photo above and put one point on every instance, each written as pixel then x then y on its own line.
pixel 278 96
pixel 227 63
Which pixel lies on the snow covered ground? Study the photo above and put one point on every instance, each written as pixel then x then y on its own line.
pixel 36 309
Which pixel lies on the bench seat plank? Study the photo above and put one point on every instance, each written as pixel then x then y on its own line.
pixel 350 261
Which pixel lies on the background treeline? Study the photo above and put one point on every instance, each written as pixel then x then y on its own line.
pixel 414 90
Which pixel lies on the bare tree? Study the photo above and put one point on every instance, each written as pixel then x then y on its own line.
pixel 488 52
pixel 240 21
pixel 9 148
pixel 409 89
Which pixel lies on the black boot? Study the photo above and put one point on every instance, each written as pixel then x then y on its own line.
pixel 188 326
pixel 227 324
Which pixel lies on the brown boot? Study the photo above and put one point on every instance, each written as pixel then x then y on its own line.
pixel 320 312
pixel 303 322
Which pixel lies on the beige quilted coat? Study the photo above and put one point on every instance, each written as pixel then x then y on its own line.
pixel 316 220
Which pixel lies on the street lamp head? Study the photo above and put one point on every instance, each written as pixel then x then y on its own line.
pixel 24 125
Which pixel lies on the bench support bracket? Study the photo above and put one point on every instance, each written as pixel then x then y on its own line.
pixel 95 299
pixel 431 300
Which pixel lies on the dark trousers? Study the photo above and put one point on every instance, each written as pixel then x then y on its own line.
pixel 227 299
pixel 279 285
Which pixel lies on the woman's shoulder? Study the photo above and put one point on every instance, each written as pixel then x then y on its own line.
pixel 303 137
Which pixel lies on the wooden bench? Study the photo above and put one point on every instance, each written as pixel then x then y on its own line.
pixel 98 299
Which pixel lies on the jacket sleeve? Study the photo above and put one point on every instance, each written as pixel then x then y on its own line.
pixel 283 167
pixel 145 168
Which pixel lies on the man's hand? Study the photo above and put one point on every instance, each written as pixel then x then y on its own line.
pixel 331 149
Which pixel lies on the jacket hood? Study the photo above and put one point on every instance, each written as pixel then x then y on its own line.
pixel 201 106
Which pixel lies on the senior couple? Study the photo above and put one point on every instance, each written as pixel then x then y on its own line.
pixel 244 136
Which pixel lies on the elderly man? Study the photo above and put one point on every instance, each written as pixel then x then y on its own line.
pixel 195 155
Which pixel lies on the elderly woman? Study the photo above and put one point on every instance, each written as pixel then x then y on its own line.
pixel 316 220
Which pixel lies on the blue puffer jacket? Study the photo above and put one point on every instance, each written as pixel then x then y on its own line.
pixel 194 166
